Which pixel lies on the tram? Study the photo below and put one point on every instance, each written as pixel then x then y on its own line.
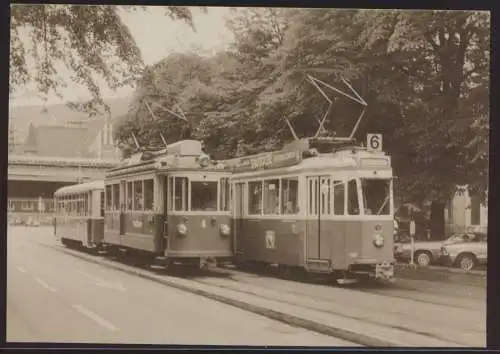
pixel 171 206
pixel 321 205
pixel 79 215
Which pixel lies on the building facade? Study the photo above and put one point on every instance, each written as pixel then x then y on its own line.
pixel 54 151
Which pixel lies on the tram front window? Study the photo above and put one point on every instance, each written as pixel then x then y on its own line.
pixel 203 196
pixel 376 196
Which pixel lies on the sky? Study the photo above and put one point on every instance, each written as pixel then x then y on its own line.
pixel 211 35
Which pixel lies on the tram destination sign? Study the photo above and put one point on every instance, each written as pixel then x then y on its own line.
pixel 265 161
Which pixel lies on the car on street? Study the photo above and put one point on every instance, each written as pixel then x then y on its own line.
pixel 467 255
pixel 426 252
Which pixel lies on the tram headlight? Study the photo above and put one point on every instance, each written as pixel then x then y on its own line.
pixel 182 229
pixel 225 230
pixel 378 240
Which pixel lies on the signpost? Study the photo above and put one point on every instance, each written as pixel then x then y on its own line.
pixel 412 235
pixel 41 209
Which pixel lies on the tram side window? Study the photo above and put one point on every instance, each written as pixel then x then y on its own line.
pixel 352 198
pixel 181 186
pixel 325 196
pixel 78 205
pixel 148 194
pixel 138 195
pixel 203 196
pixel 338 197
pixel 116 196
pixel 109 197
pixel 289 196
pixel 272 196
pixel 376 194
pixel 130 196
pixel 255 198
pixel 69 204
pixel 225 191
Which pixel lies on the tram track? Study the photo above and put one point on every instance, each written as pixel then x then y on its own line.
pixel 363 310
pixel 237 282
pixel 407 293
pixel 429 296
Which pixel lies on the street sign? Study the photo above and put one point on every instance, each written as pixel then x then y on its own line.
pixel 412 228
pixel 374 142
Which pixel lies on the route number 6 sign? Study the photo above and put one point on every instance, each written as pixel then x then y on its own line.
pixel 374 142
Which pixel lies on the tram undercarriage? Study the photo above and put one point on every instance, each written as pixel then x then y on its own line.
pixel 355 273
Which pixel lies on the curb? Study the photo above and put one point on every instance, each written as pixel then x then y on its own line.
pixel 347 335
pixel 435 269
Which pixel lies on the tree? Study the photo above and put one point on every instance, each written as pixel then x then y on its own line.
pixel 420 72
pixel 218 93
pixel 453 94
pixel 159 91
pixel 89 40
pixel 424 75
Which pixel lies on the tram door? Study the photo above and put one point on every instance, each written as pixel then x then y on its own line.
pixel 238 215
pixel 319 206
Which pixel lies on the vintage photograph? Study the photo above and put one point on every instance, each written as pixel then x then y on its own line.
pixel 247 176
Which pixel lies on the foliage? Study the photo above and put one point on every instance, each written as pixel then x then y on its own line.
pixel 90 41
pixel 424 75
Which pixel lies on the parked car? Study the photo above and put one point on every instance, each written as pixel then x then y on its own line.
pixel 467 255
pixel 426 252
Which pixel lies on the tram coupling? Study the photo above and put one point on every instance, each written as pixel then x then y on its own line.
pixel 208 262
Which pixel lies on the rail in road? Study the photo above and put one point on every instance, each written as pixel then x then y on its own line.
pixel 401 316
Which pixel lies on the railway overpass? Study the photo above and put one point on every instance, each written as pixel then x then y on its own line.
pixel 34 178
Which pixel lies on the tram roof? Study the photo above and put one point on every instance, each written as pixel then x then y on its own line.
pixel 299 158
pixel 80 188
pixel 184 155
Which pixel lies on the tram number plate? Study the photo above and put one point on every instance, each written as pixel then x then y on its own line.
pixel 374 142
pixel 270 240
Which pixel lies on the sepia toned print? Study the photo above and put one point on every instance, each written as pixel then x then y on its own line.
pixel 319 175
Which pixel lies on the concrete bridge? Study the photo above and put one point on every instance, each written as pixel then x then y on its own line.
pixel 31 178
pixel 56 169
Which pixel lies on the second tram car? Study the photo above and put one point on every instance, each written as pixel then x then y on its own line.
pixel 329 212
pixel 79 215
pixel 172 206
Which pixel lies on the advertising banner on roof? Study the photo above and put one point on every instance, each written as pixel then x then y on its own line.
pixel 265 161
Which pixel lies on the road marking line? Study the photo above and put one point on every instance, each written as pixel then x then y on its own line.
pixel 21 269
pixel 103 283
pixel 45 285
pixel 95 317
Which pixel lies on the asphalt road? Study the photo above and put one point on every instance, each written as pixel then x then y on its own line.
pixel 54 297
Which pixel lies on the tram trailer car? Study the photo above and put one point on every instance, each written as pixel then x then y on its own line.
pixel 170 206
pixel 79 215
pixel 323 212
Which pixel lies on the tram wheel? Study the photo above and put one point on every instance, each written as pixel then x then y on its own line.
pixel 285 271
